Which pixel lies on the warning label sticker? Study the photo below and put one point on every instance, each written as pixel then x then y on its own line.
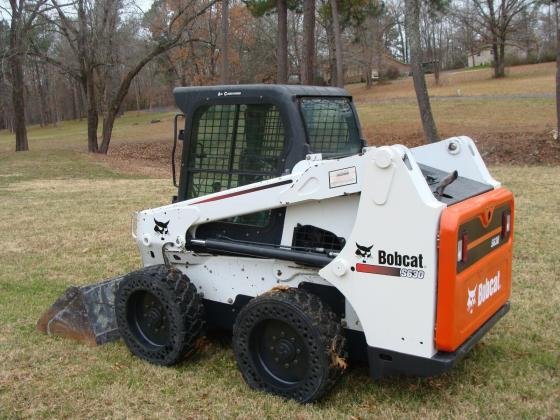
pixel 341 177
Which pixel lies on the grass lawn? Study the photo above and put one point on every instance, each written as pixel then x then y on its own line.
pixel 466 103
pixel 66 220
pixel 535 79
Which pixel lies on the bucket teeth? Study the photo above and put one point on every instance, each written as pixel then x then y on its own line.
pixel 85 314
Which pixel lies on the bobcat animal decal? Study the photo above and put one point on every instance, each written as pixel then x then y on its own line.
pixel 161 228
pixel 471 300
pixel 363 251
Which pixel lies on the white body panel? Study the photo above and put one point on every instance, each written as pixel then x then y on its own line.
pixel 396 313
pixel 375 198
pixel 463 157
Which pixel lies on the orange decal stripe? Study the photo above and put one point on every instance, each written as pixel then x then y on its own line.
pixel 484 238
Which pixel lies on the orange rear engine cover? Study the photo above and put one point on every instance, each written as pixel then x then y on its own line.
pixel 471 289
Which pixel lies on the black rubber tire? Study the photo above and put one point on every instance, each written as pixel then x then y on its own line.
pixel 316 325
pixel 180 309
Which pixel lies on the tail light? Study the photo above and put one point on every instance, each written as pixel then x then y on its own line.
pixel 506 224
pixel 462 248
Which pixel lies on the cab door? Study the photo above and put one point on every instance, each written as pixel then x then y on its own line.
pixel 231 146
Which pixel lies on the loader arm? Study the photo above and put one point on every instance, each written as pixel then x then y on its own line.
pixel 309 181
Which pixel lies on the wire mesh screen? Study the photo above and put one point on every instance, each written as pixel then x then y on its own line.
pixel 308 236
pixel 233 145
pixel 331 126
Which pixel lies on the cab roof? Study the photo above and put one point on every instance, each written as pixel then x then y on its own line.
pixel 256 89
pixel 187 97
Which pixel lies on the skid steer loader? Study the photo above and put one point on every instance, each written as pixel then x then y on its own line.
pixel 311 246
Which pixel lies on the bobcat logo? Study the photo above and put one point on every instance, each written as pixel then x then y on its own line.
pixel 363 251
pixel 471 300
pixel 161 228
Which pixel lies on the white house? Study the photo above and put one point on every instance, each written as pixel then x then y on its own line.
pixel 485 55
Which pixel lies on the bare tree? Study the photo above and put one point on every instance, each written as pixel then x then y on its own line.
pixel 412 23
pixel 308 41
pixel 496 19
pixel 89 38
pixel 22 16
pixel 224 59
pixel 174 36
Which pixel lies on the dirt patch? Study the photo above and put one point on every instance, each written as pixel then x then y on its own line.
pixel 151 159
pixel 520 148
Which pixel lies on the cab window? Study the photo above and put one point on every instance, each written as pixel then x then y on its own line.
pixel 331 126
pixel 232 146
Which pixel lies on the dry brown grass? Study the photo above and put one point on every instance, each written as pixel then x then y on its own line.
pixel 66 220
pixel 512 119
pixel 61 228
pixel 530 79
pixel 72 135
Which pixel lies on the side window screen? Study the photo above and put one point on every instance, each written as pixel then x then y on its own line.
pixel 331 126
pixel 234 145
pixel 211 144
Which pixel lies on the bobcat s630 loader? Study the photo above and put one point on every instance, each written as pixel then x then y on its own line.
pixel 310 245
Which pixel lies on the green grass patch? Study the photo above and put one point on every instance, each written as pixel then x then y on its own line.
pixel 131 126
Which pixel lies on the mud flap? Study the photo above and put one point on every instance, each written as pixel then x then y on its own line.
pixel 85 314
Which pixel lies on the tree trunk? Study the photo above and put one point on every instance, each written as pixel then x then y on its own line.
pixel 435 57
pixel 367 50
pixel 557 71
pixel 412 11
pixel 92 114
pixel 496 58
pixel 137 93
pixel 224 59
pixel 308 41
pixel 75 100
pixel 501 67
pixel 369 71
pixel 337 44
pixel 329 36
pixel 282 42
pixel 18 103
pixel 108 124
pixel 40 86
pixel 16 79
pixel 55 104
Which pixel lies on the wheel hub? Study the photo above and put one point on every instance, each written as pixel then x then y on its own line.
pixel 147 318
pixel 154 317
pixel 285 350
pixel 280 351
